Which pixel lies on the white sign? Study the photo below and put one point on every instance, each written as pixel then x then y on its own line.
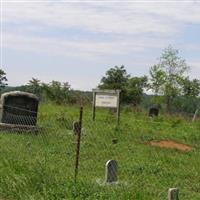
pixel 106 100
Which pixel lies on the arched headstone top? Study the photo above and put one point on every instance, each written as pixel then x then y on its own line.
pixel 173 194
pixel 111 171
pixel 18 93
pixel 111 163
pixel 19 108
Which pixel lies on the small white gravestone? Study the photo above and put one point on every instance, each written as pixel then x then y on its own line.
pixel 111 171
pixel 173 194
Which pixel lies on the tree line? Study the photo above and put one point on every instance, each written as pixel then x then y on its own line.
pixel 168 81
pixel 54 91
pixel 167 84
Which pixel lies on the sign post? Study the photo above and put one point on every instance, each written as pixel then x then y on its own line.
pixel 106 99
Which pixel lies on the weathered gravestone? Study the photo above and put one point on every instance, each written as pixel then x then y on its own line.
pixel 76 128
pixel 153 112
pixel 173 194
pixel 111 171
pixel 19 108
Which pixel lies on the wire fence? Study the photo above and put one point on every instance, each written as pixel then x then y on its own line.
pixel 62 147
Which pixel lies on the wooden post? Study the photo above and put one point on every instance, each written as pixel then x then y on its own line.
pixel 78 143
pixel 93 106
pixel 118 106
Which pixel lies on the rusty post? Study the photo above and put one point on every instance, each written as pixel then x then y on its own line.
pixel 78 143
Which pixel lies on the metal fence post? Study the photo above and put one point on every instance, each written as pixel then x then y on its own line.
pixel 78 143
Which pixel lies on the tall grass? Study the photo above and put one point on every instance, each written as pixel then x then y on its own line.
pixel 42 166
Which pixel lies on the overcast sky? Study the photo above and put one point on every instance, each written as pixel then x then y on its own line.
pixel 78 41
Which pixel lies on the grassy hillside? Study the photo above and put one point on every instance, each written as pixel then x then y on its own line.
pixel 42 166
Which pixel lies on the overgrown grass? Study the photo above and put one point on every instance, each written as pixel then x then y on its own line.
pixel 42 166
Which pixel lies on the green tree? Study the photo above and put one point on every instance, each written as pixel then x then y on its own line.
pixel 191 88
pixel 34 86
pixel 166 75
pixel 157 79
pixel 57 92
pixel 116 78
pixel 135 89
pixel 3 79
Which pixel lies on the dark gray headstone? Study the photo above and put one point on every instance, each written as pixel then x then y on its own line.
pixel 173 194
pixel 19 108
pixel 76 128
pixel 114 141
pixel 111 171
pixel 153 112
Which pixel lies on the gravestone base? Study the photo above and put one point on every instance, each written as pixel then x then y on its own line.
pixel 103 183
pixel 19 128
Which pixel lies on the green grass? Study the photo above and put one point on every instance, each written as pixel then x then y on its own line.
pixel 42 166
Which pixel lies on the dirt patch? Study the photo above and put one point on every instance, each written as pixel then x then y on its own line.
pixel 171 145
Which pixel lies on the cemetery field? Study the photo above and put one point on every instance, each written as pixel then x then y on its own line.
pixel 41 166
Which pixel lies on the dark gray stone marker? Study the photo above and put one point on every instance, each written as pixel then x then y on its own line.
pixel 111 171
pixel 76 127
pixel 173 194
pixel 153 112
pixel 19 108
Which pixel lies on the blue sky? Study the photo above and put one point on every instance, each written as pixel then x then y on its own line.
pixel 77 41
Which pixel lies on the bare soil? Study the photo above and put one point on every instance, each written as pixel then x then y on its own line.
pixel 171 145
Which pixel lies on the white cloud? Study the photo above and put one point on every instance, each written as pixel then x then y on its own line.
pixel 195 65
pixel 132 26
pixel 191 47
pixel 85 48
pixel 118 18
pixel 117 28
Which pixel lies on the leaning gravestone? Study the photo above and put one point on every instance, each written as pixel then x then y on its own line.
pixel 19 108
pixel 153 112
pixel 111 171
